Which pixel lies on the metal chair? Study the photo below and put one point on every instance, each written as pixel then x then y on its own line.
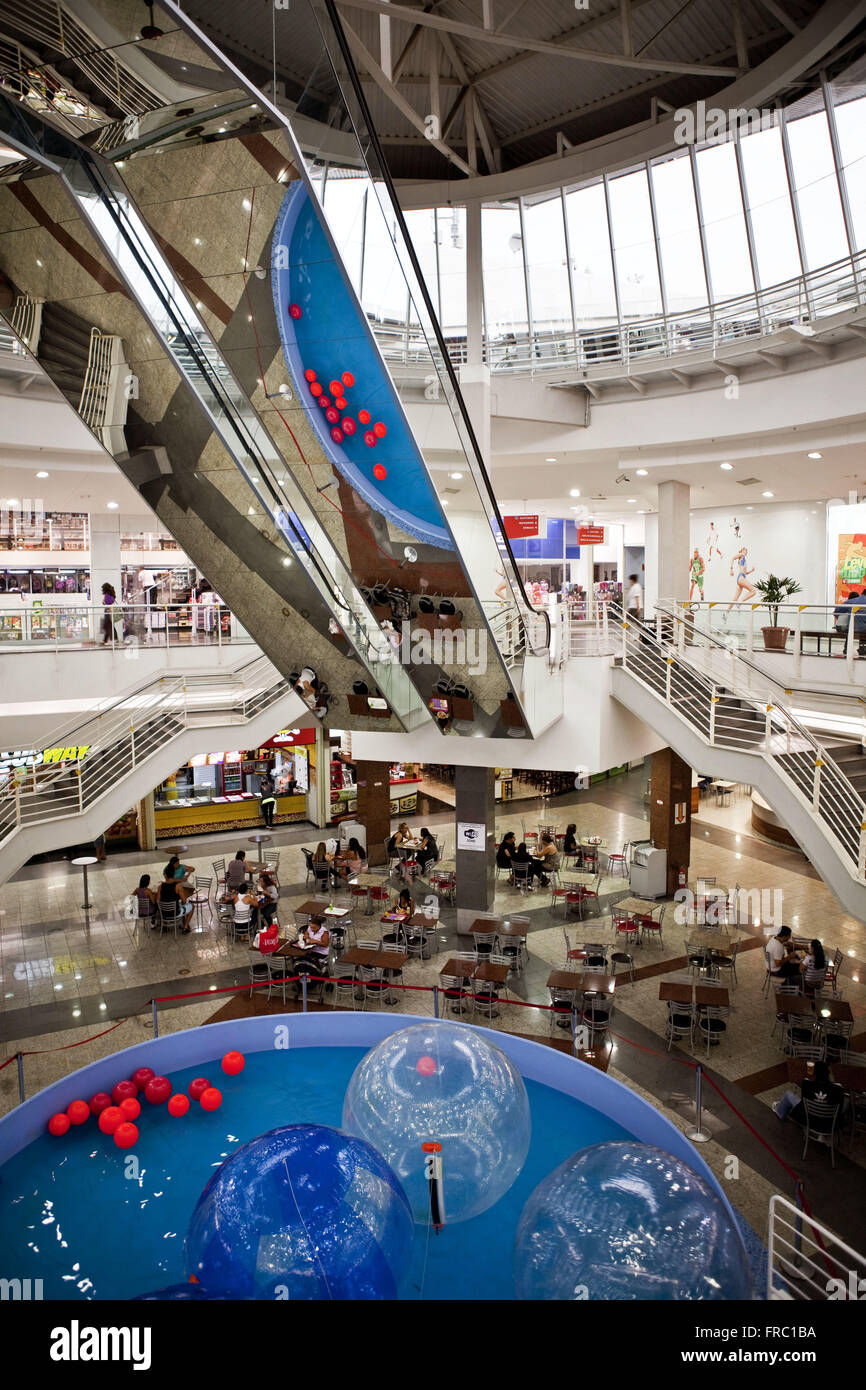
pixel 321 876
pixel 391 855
pixel 625 925
pixel 595 955
pixel 622 958
pixel 681 1023
pixel 219 872
pixel 652 926
pixel 837 1036
pixel 170 915
pixel 834 967
pixel 712 1021
pixel 589 896
pixel 444 882
pixel 698 957
pixel 278 968
pixel 562 1006
pixel 722 961
pixel 784 990
pixel 260 976
pixel 394 948
pixel 821 1120
pixel 344 984
pixel 201 896
pixel 809 1052
pixel 521 874
pixel 485 994
pixel 596 1015
pixel 484 944
pixel 454 992
pixel 571 952
pixel 380 893
pixel 274 867
pixel 619 862
pixel 308 859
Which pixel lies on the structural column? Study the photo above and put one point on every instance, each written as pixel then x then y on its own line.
pixel 104 554
pixel 672 572
pixel 671 810
pixel 475 809
pixel 146 821
pixel 374 807
pixel 475 375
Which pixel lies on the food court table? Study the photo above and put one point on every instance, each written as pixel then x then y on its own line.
pixel 592 842
pixel 374 958
pixel 583 982
pixel 837 1010
pixel 259 839
pixel 311 908
pixel 288 949
pixel 797 1004
pixel 708 996
pixel 850 1077
pixel 480 970
pixel 83 862
pixel 636 907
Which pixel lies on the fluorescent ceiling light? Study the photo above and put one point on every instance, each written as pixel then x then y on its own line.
pixel 455 476
pixel 815 455
pixel 43 474
pixel 632 499
pixel 642 472
pixel 575 492
pixel 768 494
pixel 550 460
pixel 726 466
pixel 112 506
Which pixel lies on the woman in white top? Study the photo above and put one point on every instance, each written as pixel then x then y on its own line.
pixel 243 912
pixel 317 936
pixel 269 895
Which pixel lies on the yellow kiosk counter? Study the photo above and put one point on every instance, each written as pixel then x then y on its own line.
pixel 241 811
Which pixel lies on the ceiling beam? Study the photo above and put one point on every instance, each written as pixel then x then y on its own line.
pixel 486 134
pixel 625 23
pixel 398 100
pixel 781 14
pixel 667 24
pixel 594 391
pixel 639 386
pixel 683 378
pixel 774 359
pixel 523 43
pixel 740 40
pixel 411 41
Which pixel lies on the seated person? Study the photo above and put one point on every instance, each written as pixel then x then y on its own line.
pixel 404 835
pixel 236 873
pixel 322 863
pixel 569 843
pixel 522 856
pixel 268 898
pixel 406 903
pixel 316 937
pixel 506 852
pixel 244 903
pixel 354 859
pixel 181 872
pixel 783 962
pixel 171 892
pixel 813 967
pixel 549 855
pixel 429 851
pixel 821 1088
pixel 145 898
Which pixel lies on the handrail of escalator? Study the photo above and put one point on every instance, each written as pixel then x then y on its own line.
pixel 384 175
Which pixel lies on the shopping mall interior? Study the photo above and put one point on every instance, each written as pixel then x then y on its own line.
pixel 433 580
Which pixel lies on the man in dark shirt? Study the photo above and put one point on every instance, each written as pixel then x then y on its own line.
pixel 818 1087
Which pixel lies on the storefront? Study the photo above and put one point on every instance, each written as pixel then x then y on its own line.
pixel 220 791
pixel 404 781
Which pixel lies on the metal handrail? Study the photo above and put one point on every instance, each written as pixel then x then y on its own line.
pixel 78 627
pixel 773 733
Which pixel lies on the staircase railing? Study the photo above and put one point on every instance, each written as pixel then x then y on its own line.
pixel 103 400
pixel 80 762
pixel 26 320
pixel 730 715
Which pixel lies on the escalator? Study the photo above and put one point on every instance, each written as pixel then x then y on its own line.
pixel 320 522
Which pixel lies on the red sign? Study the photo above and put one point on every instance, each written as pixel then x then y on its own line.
pixel 518 527
pixel 590 535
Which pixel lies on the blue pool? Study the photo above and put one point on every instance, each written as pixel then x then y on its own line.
pixel 73 1215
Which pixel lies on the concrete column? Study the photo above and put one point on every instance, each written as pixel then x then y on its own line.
pixel 319 790
pixel 104 553
pixel 673 541
pixel 671 810
pixel 475 376
pixel 374 807
pixel 146 818
pixel 475 808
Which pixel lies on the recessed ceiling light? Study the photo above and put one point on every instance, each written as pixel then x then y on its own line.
pixel 576 509
pixel 575 492
pixel 112 506
pixel 768 494
pixel 43 474
pixel 444 501
pixel 550 460
pixel 12 502
pixel 247 204
pixel 815 455
pixel 642 472
pixel 287 562
pixel 38 262
pixel 251 511
pixel 726 466
pixel 750 509
pixel 455 476
pixel 632 499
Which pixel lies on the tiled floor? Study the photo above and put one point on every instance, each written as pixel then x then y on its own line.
pixel 67 975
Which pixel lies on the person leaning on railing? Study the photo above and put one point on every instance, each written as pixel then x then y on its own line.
pixel 843 615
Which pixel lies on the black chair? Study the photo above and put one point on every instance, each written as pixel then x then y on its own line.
pixel 426 605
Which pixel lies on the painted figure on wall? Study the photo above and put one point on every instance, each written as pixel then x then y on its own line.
pixel 696 575
pixel 745 590
pixel 713 543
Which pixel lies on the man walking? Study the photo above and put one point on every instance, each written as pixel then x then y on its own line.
pixel 268 799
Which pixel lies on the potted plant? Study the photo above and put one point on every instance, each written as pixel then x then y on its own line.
pixel 775 591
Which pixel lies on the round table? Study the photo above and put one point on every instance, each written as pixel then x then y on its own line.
pixel 259 839
pixel 176 849
pixel 85 860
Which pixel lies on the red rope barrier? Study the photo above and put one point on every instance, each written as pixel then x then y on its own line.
pixel 40 1051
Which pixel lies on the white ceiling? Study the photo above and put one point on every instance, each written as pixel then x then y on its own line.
pixel 79 485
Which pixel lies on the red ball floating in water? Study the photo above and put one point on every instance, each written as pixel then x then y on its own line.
pixel 332 415
pixel 110 1119
pixel 122 1090
pixel 315 389
pixel 211 1099
pixel 349 425
pixel 324 401
pixel 233 1063
pixel 340 402
pixel 78 1112
pixel 364 417
pixel 370 439
pixel 380 472
pixel 130 1108
pixel 158 1090
pixel 198 1087
pixel 126 1135
pixel 347 379
pixel 59 1124
pixel 337 435
pixel 295 311
pixel 379 430
pixel 178 1104
pixel 335 388
pixel 425 1066
pixel 99 1102
pixel 141 1077
pixel 310 374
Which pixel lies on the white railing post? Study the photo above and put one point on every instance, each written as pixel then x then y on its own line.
pixel 624 644
pixel 816 784
pixel 714 700
pixel 668 674
pixel 132 742
pixel 768 729
pixel 681 635
pixel 80 784
pixel 849 644
pixel 750 639
pixel 861 854
pixel 604 621
pixel 798 641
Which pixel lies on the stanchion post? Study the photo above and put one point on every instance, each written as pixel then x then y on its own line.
pixel 19 1056
pixel 698 1135
pixel 435 1001
pixel 155 1008
pixel 303 994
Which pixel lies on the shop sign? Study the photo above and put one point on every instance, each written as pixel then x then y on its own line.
pixel 590 535
pixel 519 527
pixel 33 757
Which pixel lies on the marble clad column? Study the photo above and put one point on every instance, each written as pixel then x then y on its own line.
pixel 475 809
pixel 673 541
pixel 374 807
pixel 670 789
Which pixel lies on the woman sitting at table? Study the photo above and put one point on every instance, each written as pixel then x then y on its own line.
pixel 506 852
pixel 236 873
pixel 429 851
pixel 569 840
pixel 813 967
pixel 404 835
pixel 353 861
pixel 268 898
pixel 549 855
pixel 406 903
pixel 145 897
pixel 522 856
pixel 818 1087
pixel 171 892
pixel 317 938
pixel 179 872
pixel 244 904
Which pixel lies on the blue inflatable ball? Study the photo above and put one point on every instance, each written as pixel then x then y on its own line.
pixel 439 1082
pixel 628 1221
pixel 306 1212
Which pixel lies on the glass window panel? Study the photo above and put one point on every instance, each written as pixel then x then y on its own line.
pixel 383 290
pixel 821 217
pixel 724 222
pixel 679 235
pixel 851 125
pixel 549 298
pixel 769 200
pixel 344 204
pixel 589 244
pixel 422 226
pixel 504 282
pixel 634 246
pixel 451 224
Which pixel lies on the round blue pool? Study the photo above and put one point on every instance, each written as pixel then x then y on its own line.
pixel 75 1213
